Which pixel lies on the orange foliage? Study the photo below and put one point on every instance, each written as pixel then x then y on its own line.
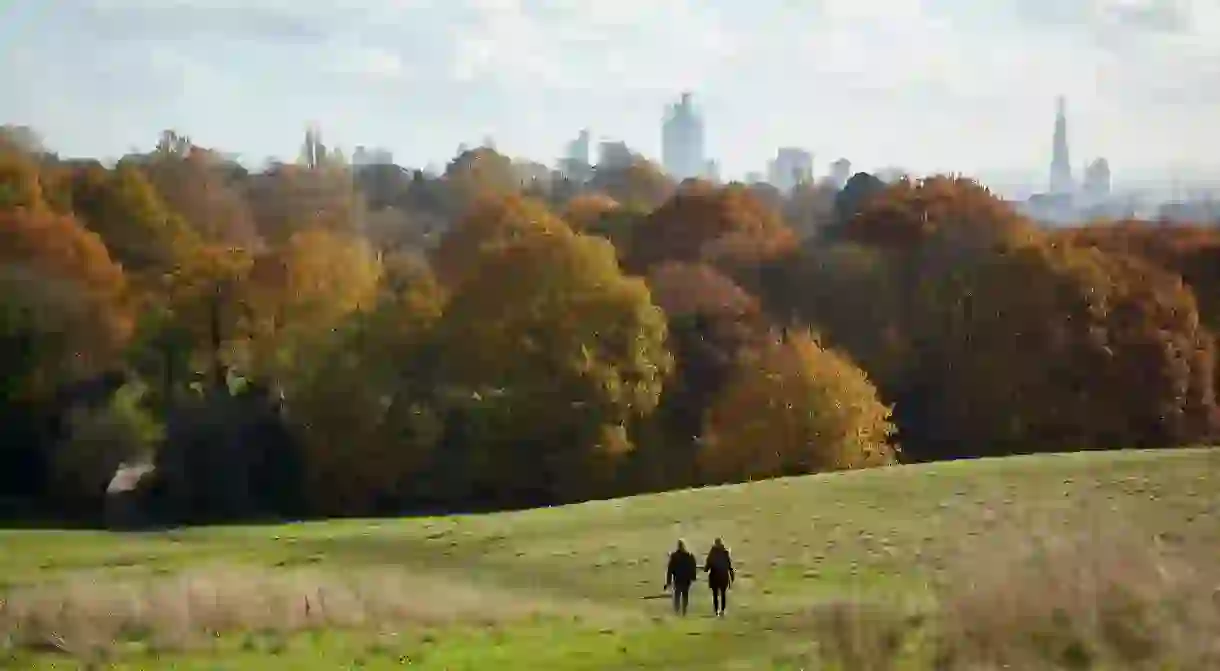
pixel 492 223
pixel 56 250
pixel 682 289
pixel 794 407
pixel 704 222
pixel 955 211
pixel 586 210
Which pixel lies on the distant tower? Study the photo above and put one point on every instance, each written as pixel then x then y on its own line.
pixel 1061 164
pixel 682 153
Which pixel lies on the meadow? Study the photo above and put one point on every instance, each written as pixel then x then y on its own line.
pixel 1086 560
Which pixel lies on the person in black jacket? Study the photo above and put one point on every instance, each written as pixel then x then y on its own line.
pixel 719 567
pixel 680 574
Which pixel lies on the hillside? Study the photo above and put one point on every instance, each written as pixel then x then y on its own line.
pixel 579 587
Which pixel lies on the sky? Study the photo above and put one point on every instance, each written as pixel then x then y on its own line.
pixel 928 85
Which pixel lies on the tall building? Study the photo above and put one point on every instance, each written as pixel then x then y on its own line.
pixel 840 172
pixel 1061 164
pixel 614 155
pixel 365 156
pixel 790 168
pixel 682 153
pixel 576 164
pixel 1097 179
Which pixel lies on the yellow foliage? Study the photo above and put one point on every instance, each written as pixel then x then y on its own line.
pixel 550 332
pixel 494 221
pixel 303 291
pixel 795 407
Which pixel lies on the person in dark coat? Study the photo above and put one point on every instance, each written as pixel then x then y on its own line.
pixel 682 571
pixel 720 574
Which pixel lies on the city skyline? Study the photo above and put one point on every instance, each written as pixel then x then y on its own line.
pixel 905 83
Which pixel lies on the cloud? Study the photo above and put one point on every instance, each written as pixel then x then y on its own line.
pixel 629 44
pixel 365 62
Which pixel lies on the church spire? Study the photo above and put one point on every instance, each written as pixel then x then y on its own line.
pixel 1061 164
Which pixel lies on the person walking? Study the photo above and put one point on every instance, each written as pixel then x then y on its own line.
pixel 720 574
pixel 681 572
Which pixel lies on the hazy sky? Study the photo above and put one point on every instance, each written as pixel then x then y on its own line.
pixel 926 84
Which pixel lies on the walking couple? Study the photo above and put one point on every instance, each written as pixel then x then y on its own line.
pixel 683 570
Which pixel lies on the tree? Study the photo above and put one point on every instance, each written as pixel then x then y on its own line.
pixel 57 275
pixel 476 174
pixel 363 403
pixel 556 352
pixel 952 215
pixel 290 198
pixel 202 187
pixel 855 195
pixel 1050 347
pixel 727 225
pixel 810 209
pixel 20 182
pixel 585 211
pixel 301 293
pixel 205 310
pixel 794 407
pixel 493 222
pixel 854 296
pixel 124 209
pixel 640 185
pixel 1190 251
pixel 711 322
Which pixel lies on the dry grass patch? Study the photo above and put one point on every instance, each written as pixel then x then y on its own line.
pixel 84 617
pixel 1097 595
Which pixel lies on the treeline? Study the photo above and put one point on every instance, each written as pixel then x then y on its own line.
pixel 199 342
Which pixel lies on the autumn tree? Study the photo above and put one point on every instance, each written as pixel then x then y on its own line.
pixel 1191 251
pixel 124 209
pixel 854 296
pixel 638 185
pixel 711 321
pixel 475 174
pixel 64 319
pixel 363 401
pixel 794 407
pixel 301 292
pixel 586 211
pixel 20 181
pixel 287 198
pixel 953 215
pixel 855 196
pixel 551 352
pixel 204 313
pixel 64 297
pixel 725 225
pixel 202 187
pixel 1050 347
pixel 493 222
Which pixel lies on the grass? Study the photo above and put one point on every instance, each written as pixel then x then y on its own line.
pixel 1058 561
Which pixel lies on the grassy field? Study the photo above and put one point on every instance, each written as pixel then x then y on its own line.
pixel 907 567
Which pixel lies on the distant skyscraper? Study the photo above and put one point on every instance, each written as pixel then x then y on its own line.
pixel 365 156
pixel 614 155
pixel 576 165
pixel 1097 179
pixel 1061 164
pixel 790 168
pixel 682 153
pixel 840 172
